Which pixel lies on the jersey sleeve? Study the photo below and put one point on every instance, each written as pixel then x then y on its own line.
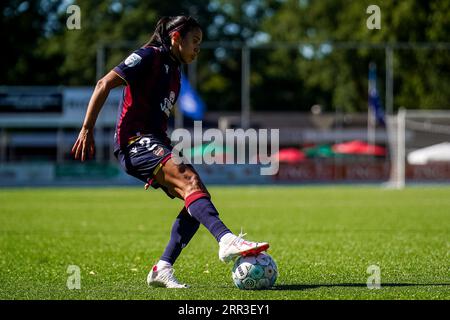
pixel 131 68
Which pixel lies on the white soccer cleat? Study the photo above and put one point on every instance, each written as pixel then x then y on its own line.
pixel 235 246
pixel 163 277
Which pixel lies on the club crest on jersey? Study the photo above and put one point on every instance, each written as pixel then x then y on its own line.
pixel 132 60
pixel 158 151
pixel 167 68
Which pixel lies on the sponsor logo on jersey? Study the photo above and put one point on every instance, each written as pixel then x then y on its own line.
pixel 132 60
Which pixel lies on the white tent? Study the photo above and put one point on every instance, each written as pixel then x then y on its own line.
pixel 437 152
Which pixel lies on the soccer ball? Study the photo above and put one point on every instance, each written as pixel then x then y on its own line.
pixel 254 272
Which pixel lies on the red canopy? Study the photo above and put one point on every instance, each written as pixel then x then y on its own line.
pixel 290 155
pixel 359 147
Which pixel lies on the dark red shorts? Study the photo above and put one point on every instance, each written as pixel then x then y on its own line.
pixel 144 157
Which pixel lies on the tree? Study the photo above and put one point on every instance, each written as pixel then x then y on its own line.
pixel 24 28
pixel 339 77
pixel 42 51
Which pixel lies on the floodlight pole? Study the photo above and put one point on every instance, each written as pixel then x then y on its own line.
pixel 100 61
pixel 245 88
pixel 100 70
pixel 389 79
pixel 401 144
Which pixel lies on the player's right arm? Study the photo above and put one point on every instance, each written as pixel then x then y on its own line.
pixel 84 147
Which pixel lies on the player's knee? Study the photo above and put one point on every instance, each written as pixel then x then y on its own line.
pixel 192 183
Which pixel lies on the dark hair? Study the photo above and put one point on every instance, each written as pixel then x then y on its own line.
pixel 168 25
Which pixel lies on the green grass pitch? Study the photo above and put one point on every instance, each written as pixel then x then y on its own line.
pixel 322 238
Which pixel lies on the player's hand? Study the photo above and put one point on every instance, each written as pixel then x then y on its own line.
pixel 84 147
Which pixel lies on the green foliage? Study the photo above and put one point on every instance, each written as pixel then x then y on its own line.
pixel 341 75
pixel 23 27
pixel 40 50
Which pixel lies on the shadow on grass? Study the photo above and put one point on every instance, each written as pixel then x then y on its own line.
pixel 353 285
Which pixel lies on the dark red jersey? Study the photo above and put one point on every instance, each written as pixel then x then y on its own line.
pixel 153 86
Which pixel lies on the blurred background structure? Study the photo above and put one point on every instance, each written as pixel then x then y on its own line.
pixel 352 104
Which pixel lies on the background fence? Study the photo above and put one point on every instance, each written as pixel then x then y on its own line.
pixel 300 88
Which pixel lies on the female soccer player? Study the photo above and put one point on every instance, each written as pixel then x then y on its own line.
pixel 151 76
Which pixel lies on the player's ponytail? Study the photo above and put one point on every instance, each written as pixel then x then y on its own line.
pixel 168 25
pixel 160 33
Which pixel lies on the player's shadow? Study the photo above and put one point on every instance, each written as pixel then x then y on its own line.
pixel 291 287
